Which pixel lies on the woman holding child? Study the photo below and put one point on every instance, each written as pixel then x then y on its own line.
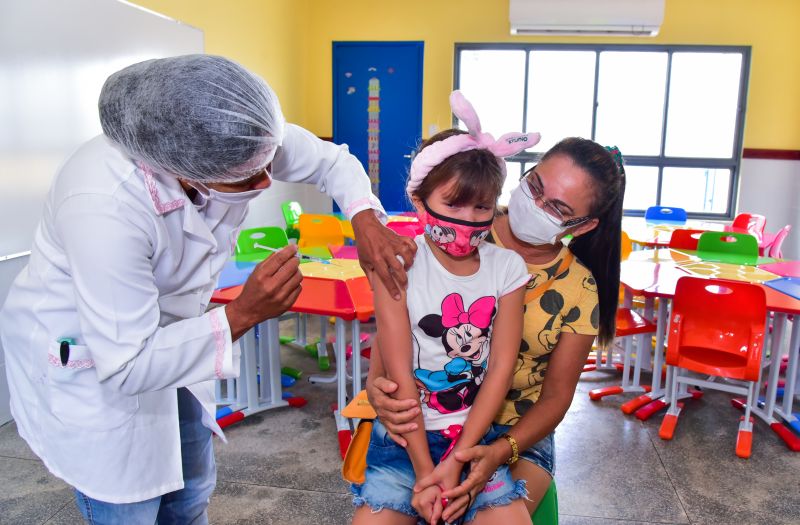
pixel 576 189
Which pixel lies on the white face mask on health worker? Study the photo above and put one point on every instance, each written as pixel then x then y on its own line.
pixel 230 199
pixel 530 223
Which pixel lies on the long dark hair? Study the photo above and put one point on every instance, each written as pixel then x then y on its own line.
pixel 599 249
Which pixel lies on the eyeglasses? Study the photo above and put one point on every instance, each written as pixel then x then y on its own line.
pixel 531 186
pixel 251 180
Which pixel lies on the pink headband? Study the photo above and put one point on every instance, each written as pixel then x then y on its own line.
pixel 433 155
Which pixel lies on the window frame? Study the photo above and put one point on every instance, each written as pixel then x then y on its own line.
pixel 659 161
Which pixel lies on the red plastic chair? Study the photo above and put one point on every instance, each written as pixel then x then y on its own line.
pixel 603 358
pixel 751 223
pixel 717 328
pixel 685 239
pixel 775 248
pixel 630 326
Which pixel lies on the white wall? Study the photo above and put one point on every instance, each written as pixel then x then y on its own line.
pixel 772 188
pixel 54 57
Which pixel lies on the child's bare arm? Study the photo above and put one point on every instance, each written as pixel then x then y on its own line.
pixel 394 338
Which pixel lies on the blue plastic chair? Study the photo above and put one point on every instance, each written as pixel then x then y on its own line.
pixel 660 214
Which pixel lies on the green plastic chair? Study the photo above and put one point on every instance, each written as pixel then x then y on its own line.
pixel 251 242
pixel 291 214
pixel 547 511
pixel 728 247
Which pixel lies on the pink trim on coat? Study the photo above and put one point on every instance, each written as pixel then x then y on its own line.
pixel 150 183
pixel 360 202
pixel 219 340
pixel 77 364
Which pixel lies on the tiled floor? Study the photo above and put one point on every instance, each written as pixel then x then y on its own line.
pixel 282 467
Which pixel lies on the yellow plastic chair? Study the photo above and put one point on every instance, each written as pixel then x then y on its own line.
pixel 626 246
pixel 347 229
pixel 319 230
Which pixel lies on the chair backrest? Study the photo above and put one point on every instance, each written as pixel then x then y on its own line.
pixel 319 230
pixel 665 214
pixel 253 240
pixel 625 247
pixel 775 248
pixel 717 327
pixel 750 222
pixel 730 247
pixel 291 213
pixel 685 239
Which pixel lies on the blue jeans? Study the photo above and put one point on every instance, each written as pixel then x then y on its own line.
pixel 185 506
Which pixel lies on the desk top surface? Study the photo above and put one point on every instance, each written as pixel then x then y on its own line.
pixel 655 273
pixel 339 289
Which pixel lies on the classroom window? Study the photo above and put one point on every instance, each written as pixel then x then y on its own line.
pixel 675 112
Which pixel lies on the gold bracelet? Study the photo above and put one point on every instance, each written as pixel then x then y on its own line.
pixel 514 449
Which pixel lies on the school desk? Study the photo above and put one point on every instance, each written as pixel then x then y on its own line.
pixel 783 268
pixel 654 274
pixel 339 290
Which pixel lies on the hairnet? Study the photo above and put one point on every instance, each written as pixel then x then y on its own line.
pixel 198 117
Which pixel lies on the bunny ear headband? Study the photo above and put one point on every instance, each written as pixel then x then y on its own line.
pixel 433 155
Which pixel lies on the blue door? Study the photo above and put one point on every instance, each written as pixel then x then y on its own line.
pixel 377 110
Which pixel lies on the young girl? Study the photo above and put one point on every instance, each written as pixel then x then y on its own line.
pixel 453 338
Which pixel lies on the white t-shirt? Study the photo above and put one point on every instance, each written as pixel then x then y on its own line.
pixel 451 319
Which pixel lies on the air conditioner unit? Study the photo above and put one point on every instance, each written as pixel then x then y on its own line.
pixel 586 17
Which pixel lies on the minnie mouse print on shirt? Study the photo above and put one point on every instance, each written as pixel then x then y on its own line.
pixel 465 337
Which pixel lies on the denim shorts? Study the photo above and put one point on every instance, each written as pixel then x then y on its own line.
pixel 390 477
pixel 542 453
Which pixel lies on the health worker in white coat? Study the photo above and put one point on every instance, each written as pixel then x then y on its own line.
pixel 111 352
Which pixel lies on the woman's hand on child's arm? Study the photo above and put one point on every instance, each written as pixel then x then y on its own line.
pixel 428 504
pixel 397 415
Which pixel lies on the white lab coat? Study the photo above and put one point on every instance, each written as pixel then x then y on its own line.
pixel 125 264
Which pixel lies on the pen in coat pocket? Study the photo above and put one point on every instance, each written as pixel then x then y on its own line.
pixel 63 349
